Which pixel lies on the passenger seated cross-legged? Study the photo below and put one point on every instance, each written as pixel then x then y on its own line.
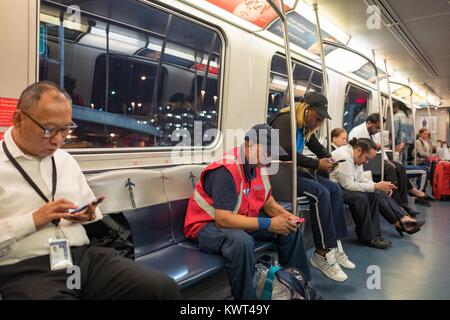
pixel 394 171
pixel 327 205
pixel 232 206
pixel 39 184
pixel 364 195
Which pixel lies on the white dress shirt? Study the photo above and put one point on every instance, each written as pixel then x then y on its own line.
pixel 19 239
pixel 350 176
pixel 361 131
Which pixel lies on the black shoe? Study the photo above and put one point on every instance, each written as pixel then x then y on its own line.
pixel 428 197
pixel 385 240
pixel 422 201
pixel 410 227
pixel 378 243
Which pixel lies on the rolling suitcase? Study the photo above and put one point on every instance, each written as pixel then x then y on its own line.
pixel 441 180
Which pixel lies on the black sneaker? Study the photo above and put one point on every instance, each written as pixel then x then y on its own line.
pixel 378 243
pixel 385 240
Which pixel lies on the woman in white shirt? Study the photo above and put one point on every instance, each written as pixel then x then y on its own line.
pixel 360 190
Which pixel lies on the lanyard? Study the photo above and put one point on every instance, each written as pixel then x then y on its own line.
pixel 30 181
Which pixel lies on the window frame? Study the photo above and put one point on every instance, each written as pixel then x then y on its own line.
pixel 348 86
pixel 221 36
pixel 308 85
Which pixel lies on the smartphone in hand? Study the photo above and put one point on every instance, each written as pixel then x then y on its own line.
pixel 97 201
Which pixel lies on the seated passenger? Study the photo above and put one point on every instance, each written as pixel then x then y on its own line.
pixel 365 196
pixel 425 149
pixel 232 206
pixel 39 184
pixel 327 206
pixel 338 138
pixel 394 171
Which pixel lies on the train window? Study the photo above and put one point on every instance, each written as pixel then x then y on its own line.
pixel 139 76
pixel 305 79
pixel 355 108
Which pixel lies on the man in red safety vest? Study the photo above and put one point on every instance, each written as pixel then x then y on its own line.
pixel 232 206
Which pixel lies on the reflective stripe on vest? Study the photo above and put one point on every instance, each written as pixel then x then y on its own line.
pixel 201 202
pixel 266 182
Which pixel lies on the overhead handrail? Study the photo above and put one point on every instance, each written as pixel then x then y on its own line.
pixel 403 85
pixel 282 15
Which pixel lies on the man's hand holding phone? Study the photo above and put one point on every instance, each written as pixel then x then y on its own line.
pixel 85 212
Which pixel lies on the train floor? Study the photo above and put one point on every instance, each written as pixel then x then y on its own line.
pixel 414 267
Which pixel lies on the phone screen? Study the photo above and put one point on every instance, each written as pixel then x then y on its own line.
pixel 84 206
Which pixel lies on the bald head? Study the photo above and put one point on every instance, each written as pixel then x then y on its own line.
pixel 42 106
pixel 32 95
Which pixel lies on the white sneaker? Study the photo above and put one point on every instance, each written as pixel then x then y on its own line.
pixel 328 266
pixel 342 258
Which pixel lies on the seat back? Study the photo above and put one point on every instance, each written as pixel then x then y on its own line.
pixel 127 189
pixel 179 184
pixel 139 194
pixel 282 181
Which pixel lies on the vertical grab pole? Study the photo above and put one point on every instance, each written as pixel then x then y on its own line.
pixel 391 112
pixel 281 13
pixel 324 69
pixel 61 50
pixel 414 123
pixel 429 117
pixel 380 111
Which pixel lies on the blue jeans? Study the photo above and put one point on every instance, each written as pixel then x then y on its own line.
pixel 237 248
pixel 326 208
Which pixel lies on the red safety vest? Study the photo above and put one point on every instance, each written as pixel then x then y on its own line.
pixel 251 195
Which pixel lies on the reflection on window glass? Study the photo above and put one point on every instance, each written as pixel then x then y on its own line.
pixel 147 83
pixel 305 79
pixel 355 108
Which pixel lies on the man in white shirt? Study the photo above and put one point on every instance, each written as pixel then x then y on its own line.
pixel 39 184
pixel 394 172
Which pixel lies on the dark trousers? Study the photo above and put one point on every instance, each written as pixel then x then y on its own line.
pixel 237 248
pixel 395 172
pixel 389 208
pixel 364 209
pixel 104 275
pixel 327 209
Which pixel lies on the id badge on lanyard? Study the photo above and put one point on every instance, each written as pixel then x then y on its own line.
pixel 59 251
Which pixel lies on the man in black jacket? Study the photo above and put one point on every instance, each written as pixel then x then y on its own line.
pixel 327 206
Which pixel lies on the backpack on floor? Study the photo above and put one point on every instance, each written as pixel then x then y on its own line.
pixel 276 283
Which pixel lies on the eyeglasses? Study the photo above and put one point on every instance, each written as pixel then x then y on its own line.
pixel 51 132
